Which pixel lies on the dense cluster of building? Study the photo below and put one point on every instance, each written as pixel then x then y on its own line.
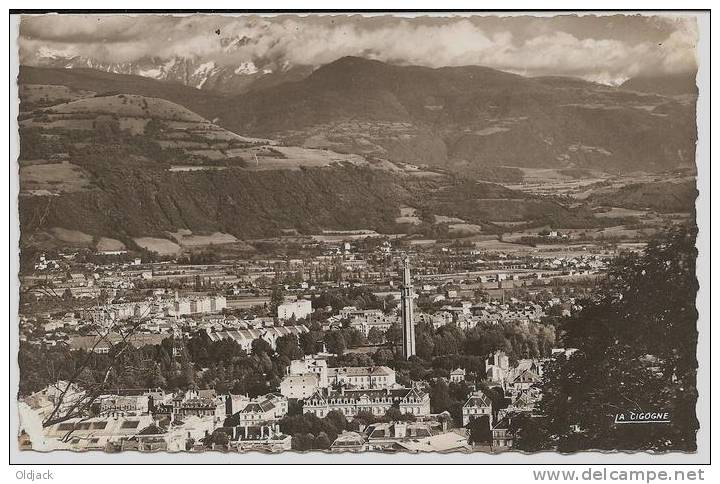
pixel 231 301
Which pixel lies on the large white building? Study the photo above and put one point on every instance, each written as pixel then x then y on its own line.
pixel 497 368
pixel 300 309
pixel 299 386
pixel 366 377
pixel 199 305
pixel 364 321
pixel 377 402
pixel 311 365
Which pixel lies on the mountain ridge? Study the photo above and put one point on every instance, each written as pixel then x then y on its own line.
pixel 460 117
pixel 104 165
pixel 466 119
pixel 190 71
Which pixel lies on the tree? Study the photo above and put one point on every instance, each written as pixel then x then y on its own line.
pixel 322 441
pixel 219 439
pixel 260 347
pixel 277 297
pixel 362 418
pixel 394 414
pixel 187 372
pixel 302 441
pixel 288 347
pixel 337 420
pixel 375 336
pixel 79 384
pixel 309 342
pixel 383 356
pixel 155 378
pixel 154 127
pixel 189 443
pixel 335 342
pixel 530 433
pixel 107 129
pixel 393 336
pixel 440 396
pixel 635 351
pixel 450 338
pixel 479 431
pixel 424 344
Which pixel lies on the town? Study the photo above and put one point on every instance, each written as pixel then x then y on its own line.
pixel 349 344
pixel 361 238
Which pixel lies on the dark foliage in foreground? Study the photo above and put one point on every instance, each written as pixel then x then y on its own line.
pixel 636 352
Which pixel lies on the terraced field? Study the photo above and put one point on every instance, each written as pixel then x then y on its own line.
pixel 52 178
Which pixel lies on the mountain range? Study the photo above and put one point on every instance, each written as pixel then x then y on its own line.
pixel 189 71
pixel 353 145
pixel 253 74
pixel 465 119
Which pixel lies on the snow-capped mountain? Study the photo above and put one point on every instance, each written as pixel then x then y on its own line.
pixel 195 72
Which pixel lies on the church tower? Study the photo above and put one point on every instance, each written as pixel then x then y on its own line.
pixel 407 294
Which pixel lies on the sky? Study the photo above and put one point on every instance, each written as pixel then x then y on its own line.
pixel 607 49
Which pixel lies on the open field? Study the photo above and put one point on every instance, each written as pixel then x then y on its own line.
pixel 161 246
pixel 187 239
pixel 465 229
pixel 439 219
pixel 494 244
pixel 186 168
pixel 53 178
pixel 408 215
pixel 106 243
pixel 72 237
pixel 44 94
pixel 618 212
pixel 128 105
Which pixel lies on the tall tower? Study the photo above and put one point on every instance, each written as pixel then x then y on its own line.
pixel 407 294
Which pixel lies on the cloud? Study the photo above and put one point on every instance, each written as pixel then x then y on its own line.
pixel 605 49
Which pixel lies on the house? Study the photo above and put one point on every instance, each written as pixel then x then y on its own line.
pixel 502 434
pixel 523 401
pixel 97 433
pixel 387 435
pixel 263 438
pixel 524 380
pixel 350 402
pixel 527 374
pixel 62 395
pixel 123 404
pixel 199 407
pixel 235 403
pixel 193 403
pixel 261 411
pixel 245 337
pixel 152 438
pixel 457 375
pixel 477 404
pixel 365 319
